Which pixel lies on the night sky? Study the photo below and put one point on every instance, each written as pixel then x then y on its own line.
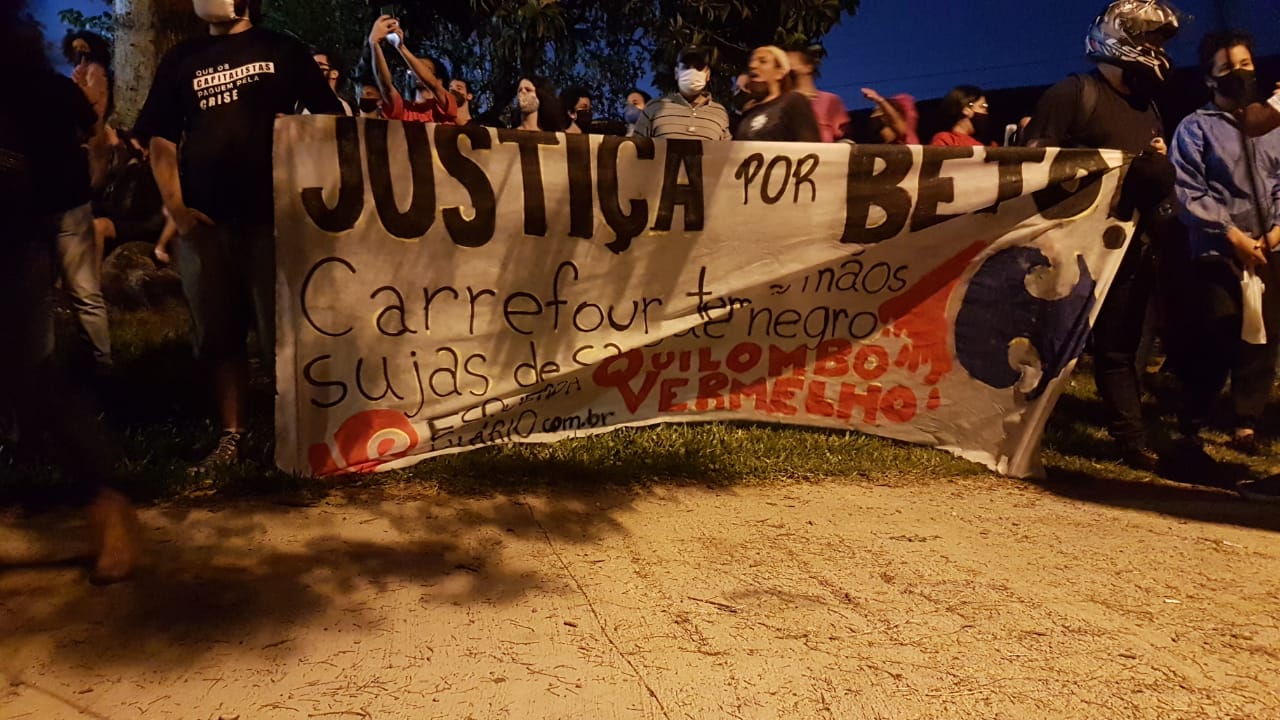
pixel 925 47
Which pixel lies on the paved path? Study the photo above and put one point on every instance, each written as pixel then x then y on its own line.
pixel 945 599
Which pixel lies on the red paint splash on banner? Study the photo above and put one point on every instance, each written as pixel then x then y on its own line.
pixel 920 314
pixel 364 442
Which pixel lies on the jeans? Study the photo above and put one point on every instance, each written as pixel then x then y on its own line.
pixel 82 278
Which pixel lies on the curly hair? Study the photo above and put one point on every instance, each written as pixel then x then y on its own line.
pixel 99 48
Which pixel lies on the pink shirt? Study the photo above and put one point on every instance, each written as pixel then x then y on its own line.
pixel 832 117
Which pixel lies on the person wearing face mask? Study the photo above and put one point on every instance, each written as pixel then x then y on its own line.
pixel 777 112
pixel 1114 107
pixel 370 103
pixel 577 105
pixel 689 113
pixel 432 102
pixel 537 107
pixel 637 99
pixel 965 109
pixel 219 96
pixel 1228 188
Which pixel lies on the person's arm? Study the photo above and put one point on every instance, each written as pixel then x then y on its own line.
pixel 381 71
pixel 892 118
pixel 1055 115
pixel 167 236
pixel 164 166
pixel 1200 210
pixel 445 102
pixel 97 88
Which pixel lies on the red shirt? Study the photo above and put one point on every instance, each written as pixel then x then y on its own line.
pixel 431 111
pixel 954 139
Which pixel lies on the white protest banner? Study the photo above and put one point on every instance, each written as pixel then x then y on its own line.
pixel 443 289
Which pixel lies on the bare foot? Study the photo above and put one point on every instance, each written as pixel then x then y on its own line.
pixel 115 525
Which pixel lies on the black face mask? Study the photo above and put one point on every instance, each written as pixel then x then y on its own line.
pixel 583 120
pixel 981 127
pixel 369 105
pixel 1239 85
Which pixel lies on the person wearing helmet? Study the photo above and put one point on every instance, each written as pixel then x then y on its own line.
pixel 1114 107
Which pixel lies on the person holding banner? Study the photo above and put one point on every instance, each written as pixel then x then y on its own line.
pixel 689 113
pixel 1114 107
pixel 776 112
pixel 1229 194
pixel 219 96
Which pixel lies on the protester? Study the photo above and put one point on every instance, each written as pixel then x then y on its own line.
pixel 43 172
pixel 462 95
pixel 636 101
pixel 218 189
pixel 894 121
pixel 332 74
pixel 689 113
pixel 433 103
pixel 828 108
pixel 1114 107
pixel 576 102
pixel 1229 193
pixel 537 106
pixel 966 112
pixel 776 112
pixel 370 104
pixel 79 262
pixel 90 57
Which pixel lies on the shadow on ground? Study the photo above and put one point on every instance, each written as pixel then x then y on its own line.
pixel 1198 502
pixel 243 575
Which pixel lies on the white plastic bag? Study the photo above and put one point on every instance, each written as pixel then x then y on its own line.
pixel 1253 329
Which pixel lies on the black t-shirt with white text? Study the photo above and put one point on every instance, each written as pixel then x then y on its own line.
pixel 217 97
pixel 789 117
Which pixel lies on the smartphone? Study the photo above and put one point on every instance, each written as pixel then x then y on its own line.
pixel 390 11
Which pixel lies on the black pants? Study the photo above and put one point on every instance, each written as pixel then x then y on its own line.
pixel 1117 333
pixel 46 406
pixel 1208 347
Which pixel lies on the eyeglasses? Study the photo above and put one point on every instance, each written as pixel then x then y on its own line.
pixel 979 107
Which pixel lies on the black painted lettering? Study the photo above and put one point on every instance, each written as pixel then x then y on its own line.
pixel 867 188
pixel 477 231
pixel 343 216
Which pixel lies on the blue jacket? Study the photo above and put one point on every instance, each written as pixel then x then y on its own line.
pixel 1214 187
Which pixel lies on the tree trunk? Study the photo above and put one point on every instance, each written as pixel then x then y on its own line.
pixel 145 31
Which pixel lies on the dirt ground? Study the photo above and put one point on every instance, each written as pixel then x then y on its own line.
pixel 974 598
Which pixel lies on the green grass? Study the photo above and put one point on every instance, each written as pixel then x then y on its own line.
pixel 158 405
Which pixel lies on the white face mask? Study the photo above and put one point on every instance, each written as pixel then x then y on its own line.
pixel 528 103
pixel 692 82
pixel 216 12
